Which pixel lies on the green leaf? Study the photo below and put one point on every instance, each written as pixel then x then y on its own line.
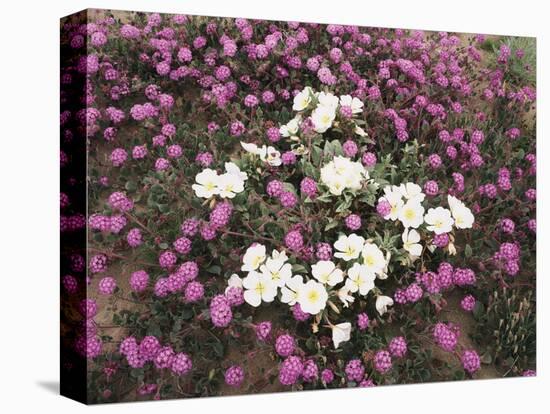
pixel 298 268
pixel 137 373
pixel 163 208
pixel 217 270
pixel 309 169
pixel 486 358
pixel 337 147
pixel 316 154
pixel 332 224
pixel 157 189
pixel 344 205
pixel 324 198
pixel 130 186
pixel 479 310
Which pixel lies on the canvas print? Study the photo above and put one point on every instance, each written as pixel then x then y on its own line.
pixel 253 206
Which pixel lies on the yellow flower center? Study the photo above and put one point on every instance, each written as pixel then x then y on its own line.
pixel 409 214
pixel 313 296
pixel 369 260
pixel 260 287
pixel 257 260
pixel 350 251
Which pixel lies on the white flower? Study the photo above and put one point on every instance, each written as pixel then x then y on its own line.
pixel 230 185
pixel 360 131
pixel 258 288
pixel 349 247
pixel 395 199
pixel 266 154
pixel 464 219
pixel 342 173
pixel 302 99
pixel 341 333
pixel 232 168
pixel 322 118
pixel 439 220
pixel 373 259
pixel 345 297
pixel 326 272
pixel 355 104
pixel 412 192
pixel 292 289
pixel 300 149
pixel 327 100
pixel 454 202
pixel 452 249
pixel 410 242
pixel 234 281
pixel 312 297
pixel 207 185
pixel 279 271
pixel 335 183
pixel 279 255
pixel 253 257
pixel 384 273
pixel 360 279
pixel 411 214
pixel 270 155
pixel 250 147
pixel 382 303
pixel 291 128
pixel 353 172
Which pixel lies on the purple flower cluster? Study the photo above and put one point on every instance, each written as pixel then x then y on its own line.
pixel 285 345
pixel 382 360
pixel 294 240
pixel 107 286
pixel 470 361
pixel 508 258
pixel 290 370
pixel 220 311
pixel 446 335
pixel 398 347
pixel 234 376
pixel 355 370
pixel 220 215
pixel 468 303
pixel 139 281
pixel 363 321
pixel 323 251
pixel 263 330
pixel 308 187
pixel 119 201
pixel 353 222
pixel 151 350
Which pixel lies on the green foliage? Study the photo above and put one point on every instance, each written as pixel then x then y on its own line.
pixel 507 327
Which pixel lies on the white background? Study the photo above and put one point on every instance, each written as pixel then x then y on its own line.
pixel 29 203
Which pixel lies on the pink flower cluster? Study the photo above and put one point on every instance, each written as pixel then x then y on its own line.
pixel 151 350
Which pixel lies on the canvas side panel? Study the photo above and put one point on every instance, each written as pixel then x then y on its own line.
pixel 73 164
